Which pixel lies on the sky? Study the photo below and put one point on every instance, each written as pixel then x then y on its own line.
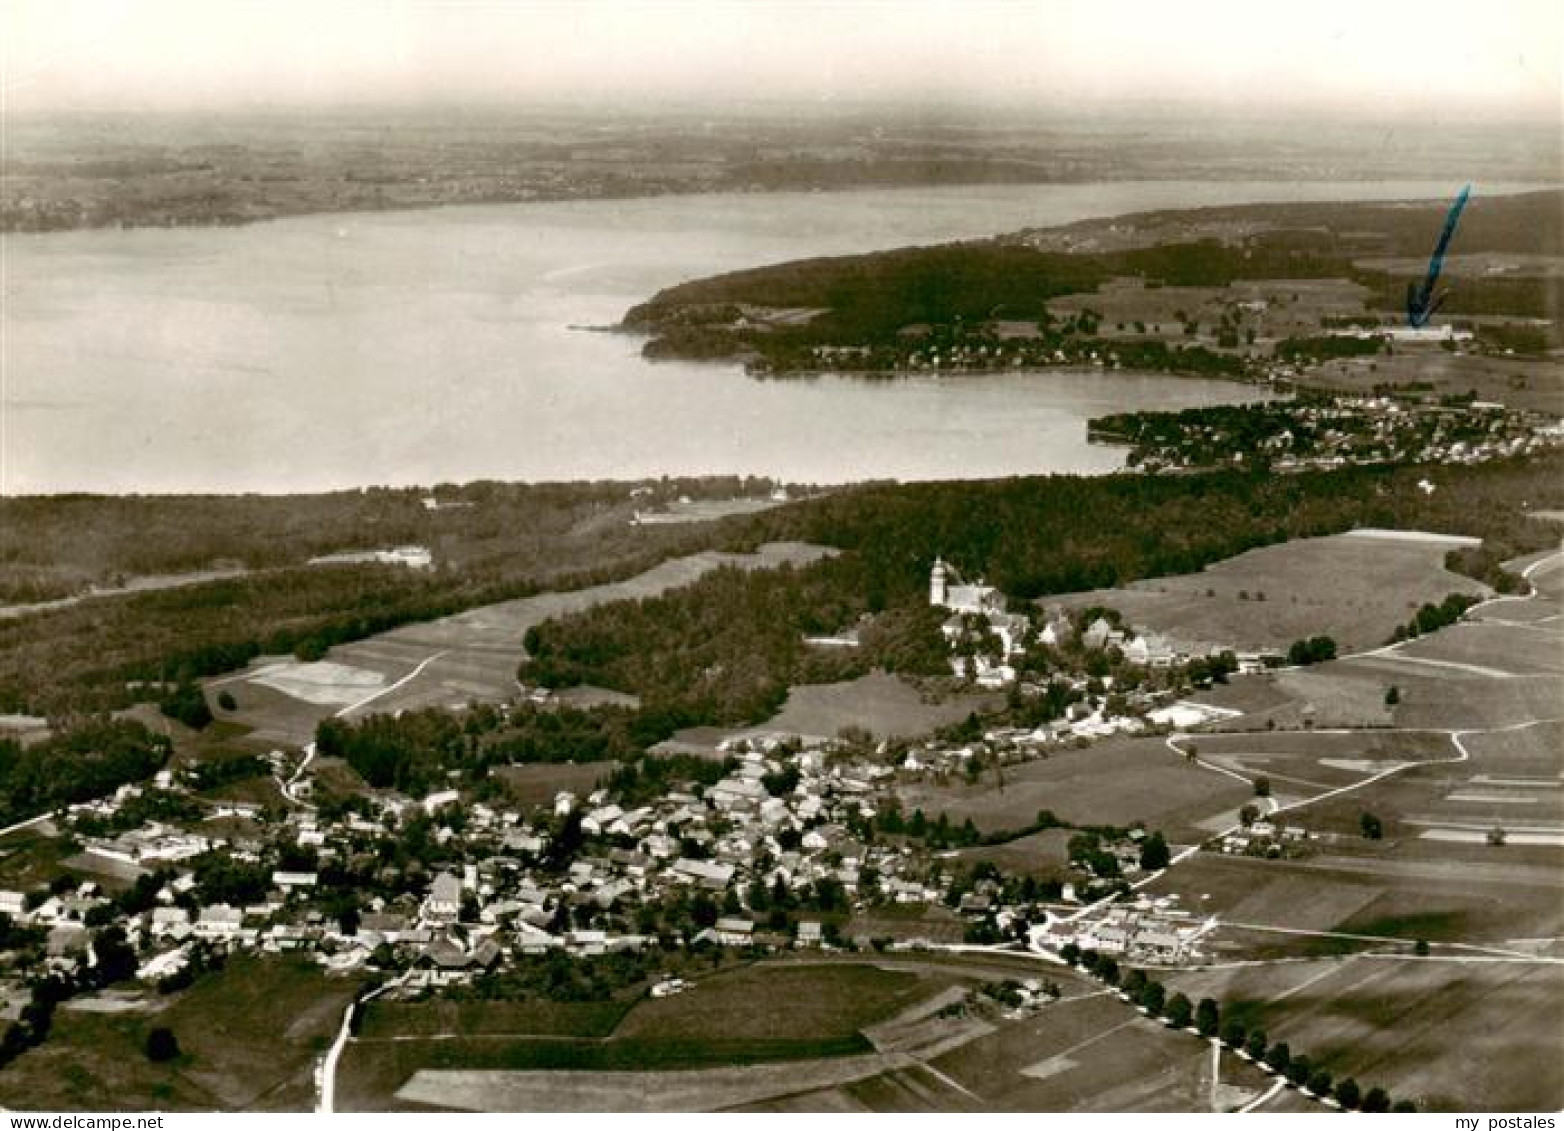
pixel 1499 58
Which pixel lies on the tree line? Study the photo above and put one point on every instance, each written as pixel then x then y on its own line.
pixel 726 648
pixel 1206 1017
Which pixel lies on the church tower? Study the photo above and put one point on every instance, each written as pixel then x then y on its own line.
pixel 937 580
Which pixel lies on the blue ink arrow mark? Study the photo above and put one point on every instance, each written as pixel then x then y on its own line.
pixel 1421 301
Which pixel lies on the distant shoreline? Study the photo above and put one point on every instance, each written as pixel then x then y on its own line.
pixel 1505 188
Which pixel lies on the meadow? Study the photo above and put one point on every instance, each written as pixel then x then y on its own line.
pixel 1117 782
pixel 1449 1035
pixel 1352 588
pixel 249 1036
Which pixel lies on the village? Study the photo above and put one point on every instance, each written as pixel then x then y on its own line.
pixel 793 847
pixel 1321 432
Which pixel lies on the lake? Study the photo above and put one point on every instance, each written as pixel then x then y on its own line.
pixel 437 346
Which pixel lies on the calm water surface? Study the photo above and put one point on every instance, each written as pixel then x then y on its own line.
pixel 432 346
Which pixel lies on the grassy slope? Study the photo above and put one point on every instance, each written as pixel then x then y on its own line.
pixel 773 1012
pixel 249 1038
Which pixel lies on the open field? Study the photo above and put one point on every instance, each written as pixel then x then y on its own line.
pixel 471 656
pixel 537 783
pixel 663 1051
pixel 884 705
pixel 780 1002
pixel 1116 782
pixel 397 1020
pixel 706 1089
pixel 1448 1035
pixel 1088 1052
pixel 32 856
pixel 1351 588
pixel 1536 384
pixel 1446 898
pixel 1292 307
pixel 1092 1053
pixel 1490 649
pixel 1499 667
pixel 703 510
pixel 249 1037
pixel 1039 854
pixel 1304 764
pixel 1325 695
pixel 933 923
pixel 1422 807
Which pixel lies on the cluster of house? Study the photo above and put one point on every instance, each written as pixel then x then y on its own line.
pixel 1083 722
pixel 499 901
pixel 1264 838
pixel 985 638
pixel 1147 931
pixel 1344 431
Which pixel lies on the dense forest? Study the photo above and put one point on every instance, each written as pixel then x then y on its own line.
pixel 727 648
pixel 876 300
pixel 56 546
pixel 416 751
pixel 505 542
pixel 85 761
pixel 880 305
pixel 724 649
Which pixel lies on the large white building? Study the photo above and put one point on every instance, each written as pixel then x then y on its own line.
pixel 961 598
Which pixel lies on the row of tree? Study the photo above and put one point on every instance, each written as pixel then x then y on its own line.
pixel 1431 617
pixel 1206 1017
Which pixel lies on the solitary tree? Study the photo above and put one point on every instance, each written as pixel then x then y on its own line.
pixel 1371 826
pixel 1392 695
pixel 1154 854
pixel 114 958
pixel 1347 1094
pixel 161 1045
pixel 1262 786
pixel 1496 836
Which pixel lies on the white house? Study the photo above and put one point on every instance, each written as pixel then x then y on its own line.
pixel 219 921
pixel 444 901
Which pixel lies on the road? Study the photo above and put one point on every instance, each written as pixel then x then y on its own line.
pixel 327 1101
pixel 291 784
pixel 1458 738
